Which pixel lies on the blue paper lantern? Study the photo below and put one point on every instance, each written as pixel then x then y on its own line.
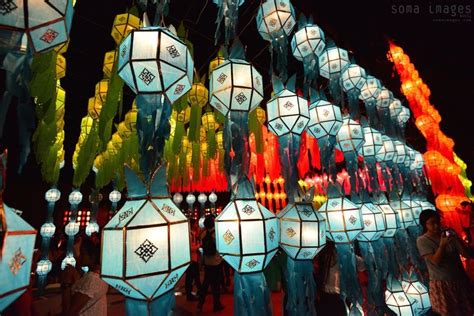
pixel 418 291
pixel 287 113
pixel 154 60
pixel 325 119
pixel 372 142
pixel 353 78
pixel 390 218
pixel 397 300
pixel 115 196
pixel 404 213
pixel 374 223
pixel 370 90
pixel 302 231
pixel 43 267
pixel 308 41
pixel 403 116
pixel 275 19
pixel 52 195
pixel 332 61
pixel 247 235
pixel 46 23
pixel 387 152
pixel 16 252
pixel 47 230
pixel 350 137
pixel 92 228
pixel 235 85
pixel 416 210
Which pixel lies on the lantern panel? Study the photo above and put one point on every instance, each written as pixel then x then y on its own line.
pixel 419 292
pixel 275 19
pixel 169 210
pixel 47 230
pixel 43 267
pixel 123 25
pixel 309 40
pixel 390 219
pixel 387 152
pixel 112 263
pixel 125 288
pixel 128 210
pixel 416 210
pixel 332 61
pixel 170 282
pixel 374 224
pixel 325 119
pixel 370 89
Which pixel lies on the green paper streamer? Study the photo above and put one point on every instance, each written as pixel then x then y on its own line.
pixel 195 123
pixel 179 132
pixel 211 143
pixel 196 161
pixel 85 158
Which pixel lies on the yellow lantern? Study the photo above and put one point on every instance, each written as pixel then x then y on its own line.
pixel 109 60
pixel 184 144
pixel 198 95
pixel 261 115
pixel 98 161
pixel 111 149
pixel 59 137
pixel 101 89
pixel 123 131
pixel 59 125
pixel 60 66
pixel 220 140
pixel 123 25
pixel 216 62
pixel 94 107
pixel 202 135
pixel 131 119
pixel 204 149
pixel 182 116
pixel 172 127
pixel 209 121
pixel 60 100
pixel 117 141
pixel 86 124
pixel 62 48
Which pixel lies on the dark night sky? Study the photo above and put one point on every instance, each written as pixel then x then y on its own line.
pixel 439 49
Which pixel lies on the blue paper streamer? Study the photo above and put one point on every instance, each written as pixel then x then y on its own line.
pixel 349 283
pixel 162 306
pixel 301 288
pixel 251 295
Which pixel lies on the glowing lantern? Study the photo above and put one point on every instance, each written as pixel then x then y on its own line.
pixel 218 60
pixel 374 223
pixel 404 214
pixel 94 107
pixel 123 25
pixel 325 119
pixel 384 99
pixel 16 250
pixel 60 66
pixel 177 198
pixel 448 203
pixel 43 267
pixel 109 61
pixel 213 197
pixel 101 89
pixel 209 121
pixel 390 218
pixel 397 300
pixel 387 152
pixel 235 85
pixel 261 115
pixel 373 142
pixel 115 196
pixel 86 124
pixel 370 89
pixel 47 24
pixel 92 228
pixel 353 77
pixel 350 136
pixel 287 113
pixel 154 60
pixel 402 153
pixel 52 195
pixel 395 109
pixel 47 230
pixel 308 41
pixel 403 116
pixel 198 94
pixel 275 19
pixel 332 61
pixel 416 290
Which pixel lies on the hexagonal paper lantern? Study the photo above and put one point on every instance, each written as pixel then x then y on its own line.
pixel 94 107
pixel 154 60
pixel 325 119
pixel 302 231
pixel 390 218
pixel 16 251
pixel 374 223
pixel 287 113
pixel 404 214
pixel 402 153
pixel 92 228
pixel 154 249
pixel 373 142
pixel 397 300
pixel 370 89
pixel 343 219
pixel 416 209
pixel 353 78
pixel 109 60
pixel 419 292
pixel 275 18
pixel 308 41
pixel 123 24
pixel 247 235
pixel 387 152
pixel 235 85
pixel 332 61
pixel 46 23
pixel 384 98
pixel 350 137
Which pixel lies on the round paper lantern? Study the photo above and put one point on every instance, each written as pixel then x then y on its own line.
pixel 350 137
pixel 353 78
pixel 387 152
pixel 72 228
pixel 92 228
pixel 190 199
pixel 343 219
pixel 123 24
pixel 397 300
pixel 325 119
pixel 308 41
pixel 372 142
pixel 384 98
pixel 332 61
pixel 68 260
pixel 275 19
pixel 75 197
pixel 178 198
pixel 404 214
pixel 46 23
pixel 198 94
pixel 154 60
pixel 235 85
pixel 154 249
pixel 16 247
pixel 47 230
pixel 390 218
pixel 302 231
pixel 213 197
pixel 287 113
pixel 52 195
pixel 43 267
pixel 202 198
pixel 115 196
pixel 374 223
pixel 370 89
pixel 247 235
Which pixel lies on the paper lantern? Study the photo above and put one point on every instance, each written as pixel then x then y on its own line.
pixel 374 222
pixel 404 214
pixel 350 137
pixel 235 85
pixel 387 152
pixel 60 66
pixel 47 230
pixel 198 94
pixel 154 60
pixel 72 228
pixel 308 41
pixel 325 119
pixel 395 108
pixel 417 291
pixel 332 61
pixel 131 119
pixel 402 153
pixel 92 228
pixel 101 89
pixel 178 198
pixel 343 219
pixel 43 267
pixel 302 231
pixel 52 195
pixel 123 25
pixel 397 300
pixel 202 198
pixel 190 199
pixel 287 113
pixel 275 19
pixel 372 142
pixel 68 260
pixel 75 197
pixel 404 115
pixel 390 218
pixel 418 161
pixel 208 121
pixel 86 124
pixel 261 115
pixel 370 89
pixel 247 235
pixel 16 249
pixel 353 77
pixel 46 23
pixel 218 60
pixel 213 197
pixel 94 107
pixel 109 61
pixel 384 98
pixel 449 203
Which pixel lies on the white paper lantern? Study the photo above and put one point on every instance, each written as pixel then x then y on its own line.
pixel 92 228
pixel 115 196
pixel 47 230
pixel 302 231
pixel 68 260
pixel 397 300
pixel 372 142
pixel 247 235
pixel 213 197
pixel 178 198
pixel 52 195
pixel 287 113
pixel 404 116
pixel 370 89
pixel 390 218
pixel 350 137
pixel 416 209
pixel 353 78
pixel 374 223
pixel 404 213
pixel 154 60
pixel 387 152
pixel 75 197
pixel 332 61
pixel 384 98
pixel 419 292
pixel 402 153
pixel 308 41
pixel 43 267
pixel 235 85
pixel 190 199
pixel 202 198
pixel 275 18
pixel 72 228
pixel 325 119
pixel 395 108
pixel 343 219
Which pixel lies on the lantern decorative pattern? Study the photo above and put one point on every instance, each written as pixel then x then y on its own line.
pixel 332 61
pixel 235 85
pixel 154 60
pixel 275 19
pixel 350 137
pixel 325 119
pixel 16 250
pixel 287 113
pixel 308 41
pixel 239 231
pixel 302 231
pixel 374 223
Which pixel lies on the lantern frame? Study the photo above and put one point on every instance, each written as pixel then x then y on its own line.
pixel 325 119
pixel 309 40
pixel 287 113
pixel 374 223
pixel 275 19
pixel 332 61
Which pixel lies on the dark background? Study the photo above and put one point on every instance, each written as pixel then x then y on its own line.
pixel 440 51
